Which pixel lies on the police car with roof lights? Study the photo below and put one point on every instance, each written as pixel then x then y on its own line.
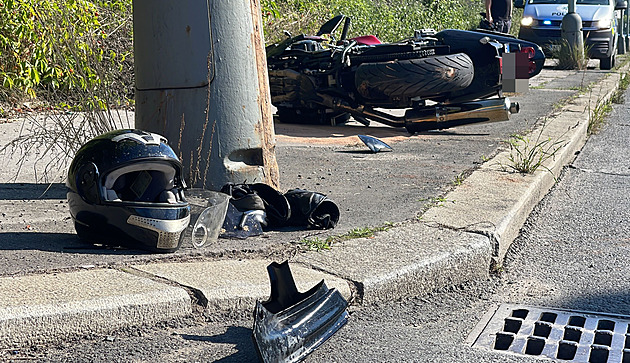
pixel 542 20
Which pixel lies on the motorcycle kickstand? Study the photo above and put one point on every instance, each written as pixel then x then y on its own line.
pixel 362 120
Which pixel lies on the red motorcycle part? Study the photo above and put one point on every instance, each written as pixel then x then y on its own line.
pixel 367 40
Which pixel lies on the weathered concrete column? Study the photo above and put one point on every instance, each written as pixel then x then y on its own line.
pixel 201 81
pixel 571 29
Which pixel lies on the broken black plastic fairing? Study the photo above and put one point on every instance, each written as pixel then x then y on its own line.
pixel 291 325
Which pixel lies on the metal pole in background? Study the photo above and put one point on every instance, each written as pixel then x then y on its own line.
pixel 571 30
pixel 201 81
pixel 621 34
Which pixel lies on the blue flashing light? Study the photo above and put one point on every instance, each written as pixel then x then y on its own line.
pixel 546 22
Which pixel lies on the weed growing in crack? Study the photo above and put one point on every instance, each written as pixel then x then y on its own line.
pixel 435 202
pixel 539 86
pixel 618 97
pixel 570 57
pixel 597 115
pixel 318 244
pixel 459 179
pixel 624 82
pixel 528 155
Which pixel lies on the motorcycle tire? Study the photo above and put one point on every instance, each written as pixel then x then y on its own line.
pixel 421 77
pixel 308 116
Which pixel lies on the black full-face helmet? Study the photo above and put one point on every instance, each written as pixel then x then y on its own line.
pixel 125 187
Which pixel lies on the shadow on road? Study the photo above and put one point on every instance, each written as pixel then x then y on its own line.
pixel 238 336
pixel 339 131
pixel 602 303
pixel 20 191
pixel 57 242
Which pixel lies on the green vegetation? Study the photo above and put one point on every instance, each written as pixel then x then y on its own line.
pixel 570 57
pixel 318 244
pixel 528 155
pixel 435 202
pixel 390 20
pixel 459 178
pixel 60 56
pixel 66 48
pixel 619 96
pixel 597 115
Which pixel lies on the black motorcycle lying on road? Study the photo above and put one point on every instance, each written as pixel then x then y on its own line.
pixel 441 80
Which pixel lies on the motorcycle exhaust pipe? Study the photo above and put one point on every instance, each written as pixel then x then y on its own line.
pixel 437 118
pixel 446 116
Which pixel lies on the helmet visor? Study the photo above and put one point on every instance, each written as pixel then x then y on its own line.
pixel 148 182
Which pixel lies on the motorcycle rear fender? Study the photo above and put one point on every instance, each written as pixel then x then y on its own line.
pixel 291 325
pixel 367 40
pixel 463 40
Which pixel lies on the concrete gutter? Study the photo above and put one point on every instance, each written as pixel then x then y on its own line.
pixel 459 240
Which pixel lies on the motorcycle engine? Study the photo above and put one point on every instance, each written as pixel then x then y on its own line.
pixel 307 45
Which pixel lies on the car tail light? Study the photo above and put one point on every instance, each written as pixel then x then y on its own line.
pixel 531 52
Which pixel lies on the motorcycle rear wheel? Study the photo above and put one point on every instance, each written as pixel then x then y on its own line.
pixel 420 77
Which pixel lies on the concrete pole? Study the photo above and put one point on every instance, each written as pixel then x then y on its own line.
pixel 201 81
pixel 571 30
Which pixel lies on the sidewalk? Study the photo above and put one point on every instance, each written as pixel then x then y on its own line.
pixel 52 287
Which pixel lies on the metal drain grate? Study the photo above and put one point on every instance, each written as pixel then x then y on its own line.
pixel 555 333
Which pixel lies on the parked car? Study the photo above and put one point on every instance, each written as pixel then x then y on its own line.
pixel 542 20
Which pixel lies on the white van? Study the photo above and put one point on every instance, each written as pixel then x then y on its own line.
pixel 542 20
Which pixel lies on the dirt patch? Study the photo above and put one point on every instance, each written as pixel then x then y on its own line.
pixel 345 135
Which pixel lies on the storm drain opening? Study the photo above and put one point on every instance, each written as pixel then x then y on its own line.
pixel 559 334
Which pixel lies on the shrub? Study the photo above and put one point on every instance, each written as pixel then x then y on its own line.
pixel 65 45
pixel 390 20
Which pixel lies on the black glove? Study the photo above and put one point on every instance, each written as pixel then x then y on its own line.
pixel 312 209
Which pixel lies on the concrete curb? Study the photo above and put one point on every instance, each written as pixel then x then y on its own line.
pixel 85 302
pixel 235 285
pixel 405 261
pixel 502 201
pixel 469 234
